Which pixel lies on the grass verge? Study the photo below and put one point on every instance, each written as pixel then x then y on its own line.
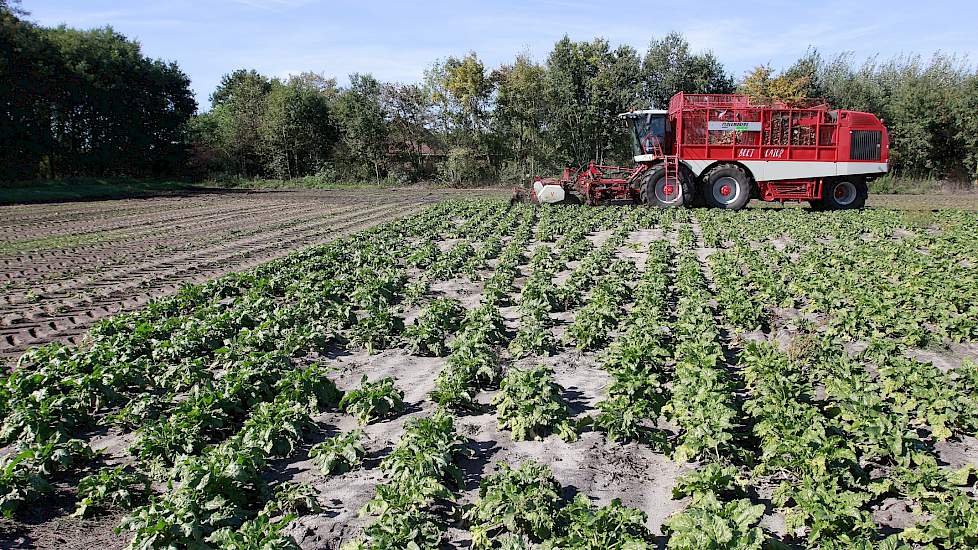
pixel 890 184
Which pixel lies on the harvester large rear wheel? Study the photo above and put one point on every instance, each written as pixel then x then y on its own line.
pixel 726 186
pixel 844 194
pixel 657 190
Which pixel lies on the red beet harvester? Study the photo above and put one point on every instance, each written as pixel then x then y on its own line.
pixel 721 150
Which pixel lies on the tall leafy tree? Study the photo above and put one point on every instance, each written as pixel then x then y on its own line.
pixel 588 85
pixel 462 90
pixel 121 112
pixel 30 81
pixel 520 117
pixel 966 109
pixel 238 104
pixel 361 117
pixel 297 129
pixel 410 119
pixel 87 103
pixel 762 83
pixel 669 67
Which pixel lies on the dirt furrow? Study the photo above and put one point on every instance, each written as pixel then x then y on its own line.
pixel 191 260
pixel 205 232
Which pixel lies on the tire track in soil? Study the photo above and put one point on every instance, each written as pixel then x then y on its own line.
pixel 128 221
pixel 108 279
pixel 133 251
pixel 216 220
pixel 73 323
pixel 162 210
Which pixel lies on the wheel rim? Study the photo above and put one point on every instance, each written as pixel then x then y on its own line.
pixel 726 190
pixel 668 191
pixel 844 193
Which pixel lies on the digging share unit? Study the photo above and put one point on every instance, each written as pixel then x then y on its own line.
pixel 722 150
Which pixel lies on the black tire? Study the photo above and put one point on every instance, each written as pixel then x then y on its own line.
pixel 726 186
pixel 844 194
pixel 656 191
pixel 571 198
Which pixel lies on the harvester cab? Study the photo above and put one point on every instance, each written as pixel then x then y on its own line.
pixel 647 129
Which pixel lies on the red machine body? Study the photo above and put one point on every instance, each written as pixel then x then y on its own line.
pixel 728 148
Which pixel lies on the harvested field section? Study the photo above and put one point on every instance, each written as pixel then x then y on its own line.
pixel 65 266
pixel 483 376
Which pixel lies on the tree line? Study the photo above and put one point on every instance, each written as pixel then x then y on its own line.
pixel 90 103
pixel 464 122
pixel 86 103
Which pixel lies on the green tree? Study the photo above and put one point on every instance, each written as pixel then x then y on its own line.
pixel 208 157
pixel 122 112
pixel 763 83
pixel 361 118
pixel 13 7
pixel 520 118
pixel 669 67
pixel 469 89
pixel 588 85
pixel 238 105
pixel 410 119
pixel 967 114
pixel 30 82
pixel 297 130
pixel 807 72
pixel 86 103
pixel 924 104
pixel 461 91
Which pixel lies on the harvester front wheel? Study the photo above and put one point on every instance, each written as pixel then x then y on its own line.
pixel 657 190
pixel 726 186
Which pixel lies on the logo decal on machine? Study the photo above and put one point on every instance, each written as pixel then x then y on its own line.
pixel 774 153
pixel 731 126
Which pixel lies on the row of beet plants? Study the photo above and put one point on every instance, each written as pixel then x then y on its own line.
pixel 418 500
pixel 211 411
pixel 535 304
pixel 839 457
pixel 599 287
pixel 473 358
pixel 522 508
pixel 229 359
pixel 637 360
pixel 821 482
pixel 887 434
pixel 720 513
pixel 702 403
pixel 220 496
pixel 910 278
pixel 538 297
pixel 943 403
pixel 487 225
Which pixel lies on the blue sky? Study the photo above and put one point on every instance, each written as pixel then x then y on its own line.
pixel 397 40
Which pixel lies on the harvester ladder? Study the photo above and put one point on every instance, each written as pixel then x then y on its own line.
pixel 670 162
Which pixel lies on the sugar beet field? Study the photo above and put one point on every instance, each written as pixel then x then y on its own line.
pixel 476 375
